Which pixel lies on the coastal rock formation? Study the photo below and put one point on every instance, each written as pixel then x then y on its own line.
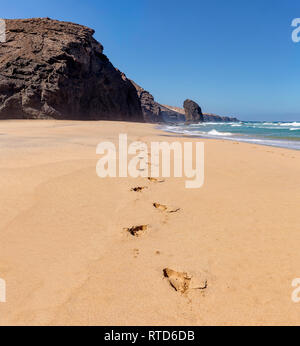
pixel 151 109
pixel 53 69
pixel 218 118
pixel 178 114
pixel 170 114
pixel 193 112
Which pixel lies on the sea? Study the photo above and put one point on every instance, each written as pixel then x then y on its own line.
pixel 276 134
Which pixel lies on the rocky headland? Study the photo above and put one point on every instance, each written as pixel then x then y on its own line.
pixel 177 113
pixel 53 69
pixel 56 70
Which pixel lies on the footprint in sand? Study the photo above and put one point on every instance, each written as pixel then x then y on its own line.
pixel 139 188
pixel 163 208
pixel 160 207
pixel 137 231
pixel 182 281
pixel 179 281
pixel 154 180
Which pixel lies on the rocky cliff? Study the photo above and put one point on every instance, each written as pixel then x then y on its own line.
pixel 151 109
pixel 53 69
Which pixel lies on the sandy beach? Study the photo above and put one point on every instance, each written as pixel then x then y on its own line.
pixel 67 259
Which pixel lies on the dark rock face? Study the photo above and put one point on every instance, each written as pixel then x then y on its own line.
pixel 193 112
pixel 53 69
pixel 151 109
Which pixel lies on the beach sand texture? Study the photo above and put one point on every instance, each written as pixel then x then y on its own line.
pixel 70 253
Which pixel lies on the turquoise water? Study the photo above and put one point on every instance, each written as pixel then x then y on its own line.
pixel 279 134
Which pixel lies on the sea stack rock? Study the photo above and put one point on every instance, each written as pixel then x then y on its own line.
pixel 193 112
pixel 53 69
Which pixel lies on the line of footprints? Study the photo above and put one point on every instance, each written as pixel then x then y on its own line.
pixel 180 281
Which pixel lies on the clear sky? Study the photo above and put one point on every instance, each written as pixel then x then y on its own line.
pixel 234 57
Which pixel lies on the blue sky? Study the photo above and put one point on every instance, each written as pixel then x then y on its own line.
pixel 234 57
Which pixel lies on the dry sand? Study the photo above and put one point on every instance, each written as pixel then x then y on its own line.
pixel 67 259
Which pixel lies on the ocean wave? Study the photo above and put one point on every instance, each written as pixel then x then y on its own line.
pixel 214 132
pixel 279 134
pixel 290 124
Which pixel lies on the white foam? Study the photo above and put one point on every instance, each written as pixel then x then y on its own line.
pixel 214 132
pixel 290 124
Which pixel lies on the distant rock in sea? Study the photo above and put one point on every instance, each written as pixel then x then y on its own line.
pixel 54 69
pixel 193 112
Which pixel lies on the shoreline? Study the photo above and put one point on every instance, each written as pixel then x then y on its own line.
pixel 68 260
pixel 292 143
